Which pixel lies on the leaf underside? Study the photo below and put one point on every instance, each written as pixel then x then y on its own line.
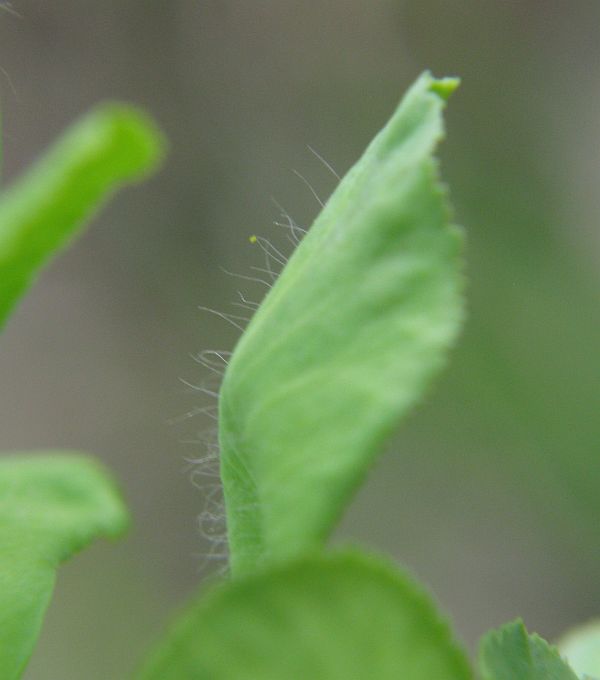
pixel 344 344
pixel 51 506
pixel 339 617
pixel 510 653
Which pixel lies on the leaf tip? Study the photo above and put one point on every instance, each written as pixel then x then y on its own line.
pixel 134 133
pixel 444 87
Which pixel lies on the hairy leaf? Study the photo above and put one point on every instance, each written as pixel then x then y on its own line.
pixel 43 209
pixel 340 617
pixel 344 344
pixel 50 507
pixel 581 648
pixel 510 653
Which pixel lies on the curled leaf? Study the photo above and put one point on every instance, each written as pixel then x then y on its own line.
pixel 344 344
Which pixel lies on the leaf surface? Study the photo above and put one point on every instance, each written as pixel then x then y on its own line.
pixel 344 344
pixel 50 507
pixel 581 648
pixel 340 617
pixel 511 653
pixel 42 211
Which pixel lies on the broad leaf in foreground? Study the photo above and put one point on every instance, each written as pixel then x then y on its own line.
pixel 340 617
pixel 511 653
pixel 50 507
pixel 345 342
pixel 42 210
pixel 581 648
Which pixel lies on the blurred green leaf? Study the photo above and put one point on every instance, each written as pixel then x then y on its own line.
pixel 41 212
pixel 344 344
pixel 510 653
pixel 340 617
pixel 51 506
pixel 581 648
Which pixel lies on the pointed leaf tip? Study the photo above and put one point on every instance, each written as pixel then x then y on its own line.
pixel 344 344
pixel 511 653
pixel 444 87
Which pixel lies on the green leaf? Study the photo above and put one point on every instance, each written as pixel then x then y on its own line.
pixel 344 344
pixel 41 212
pixel 510 653
pixel 50 507
pixel 340 617
pixel 581 648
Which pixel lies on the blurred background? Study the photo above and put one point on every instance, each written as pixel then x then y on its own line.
pixel 491 490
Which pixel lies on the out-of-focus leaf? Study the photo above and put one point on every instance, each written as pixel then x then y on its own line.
pixel 50 507
pixel 581 648
pixel 340 617
pixel 344 344
pixel 510 653
pixel 112 145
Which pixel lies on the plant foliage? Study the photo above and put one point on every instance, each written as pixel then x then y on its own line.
pixel 510 653
pixel 53 505
pixel 343 616
pixel 345 342
pixel 342 347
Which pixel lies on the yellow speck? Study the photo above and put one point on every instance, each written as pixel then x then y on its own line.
pixel 252 239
